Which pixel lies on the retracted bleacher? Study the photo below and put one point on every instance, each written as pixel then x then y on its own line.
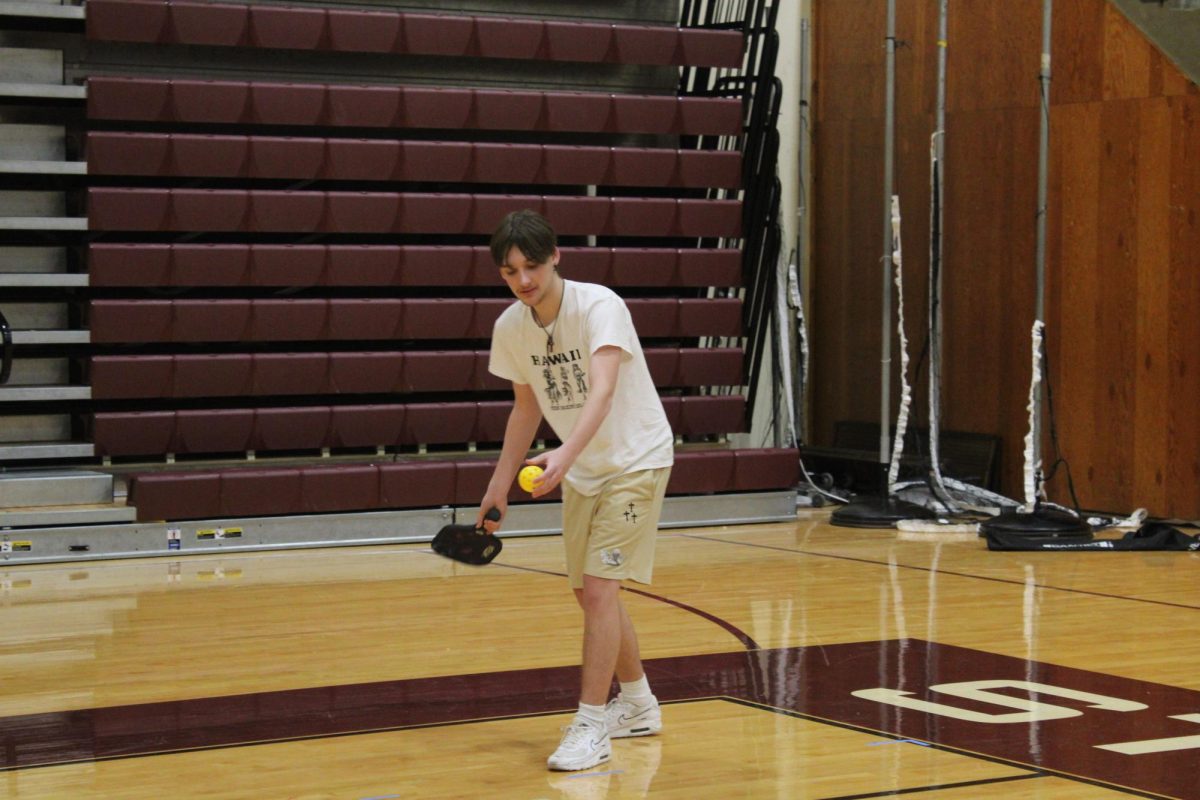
pixel 290 295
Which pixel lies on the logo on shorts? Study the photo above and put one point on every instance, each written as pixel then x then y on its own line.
pixel 631 515
pixel 612 558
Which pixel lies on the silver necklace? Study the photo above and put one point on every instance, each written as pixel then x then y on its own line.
pixel 549 331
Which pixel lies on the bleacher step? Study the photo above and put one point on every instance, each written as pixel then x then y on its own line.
pixel 49 487
pixel 28 167
pixel 45 451
pixel 47 516
pixel 50 337
pixel 40 392
pixel 43 279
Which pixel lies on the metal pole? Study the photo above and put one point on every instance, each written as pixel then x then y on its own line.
pixel 937 258
pixel 1043 184
pixel 889 157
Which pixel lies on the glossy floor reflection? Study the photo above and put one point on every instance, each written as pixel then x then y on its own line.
pixel 798 660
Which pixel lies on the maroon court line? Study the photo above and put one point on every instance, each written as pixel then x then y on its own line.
pixel 941 571
pixel 737 632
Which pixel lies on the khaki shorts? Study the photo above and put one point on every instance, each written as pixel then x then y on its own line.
pixel 611 534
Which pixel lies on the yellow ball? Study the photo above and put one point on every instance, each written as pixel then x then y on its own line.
pixel 527 476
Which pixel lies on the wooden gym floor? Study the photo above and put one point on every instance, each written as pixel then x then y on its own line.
pixel 795 660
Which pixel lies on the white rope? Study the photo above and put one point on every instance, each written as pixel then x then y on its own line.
pixel 905 388
pixel 784 336
pixel 1033 464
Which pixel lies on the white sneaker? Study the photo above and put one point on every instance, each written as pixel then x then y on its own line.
pixel 583 745
pixel 625 719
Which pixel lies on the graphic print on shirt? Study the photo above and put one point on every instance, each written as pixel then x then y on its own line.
pixel 565 381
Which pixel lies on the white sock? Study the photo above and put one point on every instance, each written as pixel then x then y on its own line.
pixel 590 714
pixel 637 692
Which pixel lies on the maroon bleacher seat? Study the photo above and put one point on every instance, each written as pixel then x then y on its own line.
pixel 423 107
pixel 702 472
pixel 710 48
pixel 211 321
pixel 367 373
pixel 365 319
pixel 497 37
pixel 643 216
pixel 709 168
pixel 362 159
pixel 209 23
pixel 325 490
pixel 367 426
pixel 757 470
pixel 358 31
pixel 435 213
pixel 503 162
pixel 364 106
pixel 211 100
pixel 126 21
pixel 439 371
pixel 117 377
pixel 709 218
pixel 418 34
pixel 128 209
pixel 435 161
pixel 363 212
pixel 210 156
pixel 439 423
pixel 286 157
pixel 144 99
pixel 719 317
pixel 436 35
pixel 362 265
pixel 714 414
pixel 288 103
pixel 261 492
pixel 662 363
pixel 303 428
pixel 654 317
pixel 417 485
pixel 215 431
pixel 507 109
pixel 287 27
pixel 284 264
pixel 645 44
pixel 302 212
pixel 710 267
pixel 178 495
pixel 576 111
pixel 128 153
pixel 133 434
pixel 491 420
pixel 632 113
pixel 129 265
pixel 208 210
pixel 577 41
pixel 269 103
pixel 303 374
pixel 437 318
pixel 709 367
pixel 212 375
pixel 644 267
pixel 590 265
pixel 578 164
pixel 209 265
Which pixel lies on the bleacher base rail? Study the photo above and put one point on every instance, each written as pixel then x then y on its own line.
pixel 250 534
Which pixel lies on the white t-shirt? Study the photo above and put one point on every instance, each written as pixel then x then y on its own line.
pixel 635 435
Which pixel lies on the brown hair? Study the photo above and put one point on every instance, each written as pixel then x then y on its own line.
pixel 527 230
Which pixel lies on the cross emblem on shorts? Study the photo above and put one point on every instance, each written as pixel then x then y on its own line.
pixel 631 515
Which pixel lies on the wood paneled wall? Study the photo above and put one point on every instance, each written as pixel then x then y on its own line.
pixel 1123 260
